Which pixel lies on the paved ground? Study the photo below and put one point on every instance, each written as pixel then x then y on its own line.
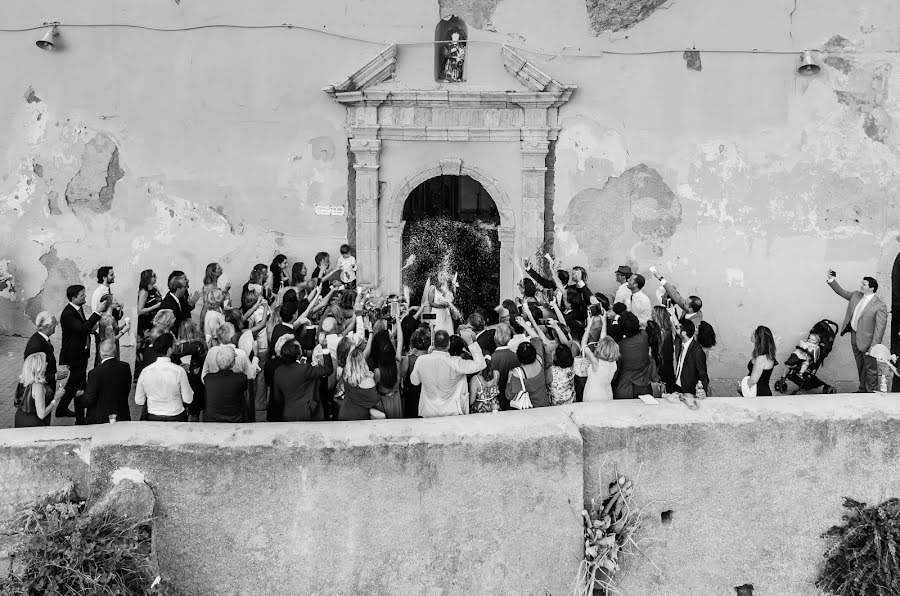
pixel 12 348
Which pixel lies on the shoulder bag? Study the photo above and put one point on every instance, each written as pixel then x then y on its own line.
pixel 522 401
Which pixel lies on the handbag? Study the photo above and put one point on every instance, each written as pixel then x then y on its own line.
pixel 522 401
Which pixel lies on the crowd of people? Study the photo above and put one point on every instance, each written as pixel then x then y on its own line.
pixel 293 346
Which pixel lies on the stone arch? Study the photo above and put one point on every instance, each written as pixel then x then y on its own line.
pixel 450 167
pixel 392 216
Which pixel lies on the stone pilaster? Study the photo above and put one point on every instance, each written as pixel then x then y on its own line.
pixel 507 237
pixel 368 154
pixel 534 166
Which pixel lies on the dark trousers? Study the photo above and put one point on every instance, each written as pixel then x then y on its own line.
pixel 250 401
pixel 183 417
pixel 77 381
pixel 866 368
pixel 580 382
pixel 329 406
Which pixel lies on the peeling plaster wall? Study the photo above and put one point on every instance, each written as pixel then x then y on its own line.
pixel 744 180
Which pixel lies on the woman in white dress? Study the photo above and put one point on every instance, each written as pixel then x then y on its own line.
pixel 440 300
pixel 602 367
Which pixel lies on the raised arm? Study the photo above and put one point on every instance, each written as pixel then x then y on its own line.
pixel 585 351
pixel 467 367
pixel 537 328
pixel 834 285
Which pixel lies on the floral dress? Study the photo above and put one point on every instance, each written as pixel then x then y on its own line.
pixel 562 385
pixel 487 399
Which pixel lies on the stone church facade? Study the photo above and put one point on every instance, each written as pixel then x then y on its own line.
pixel 679 135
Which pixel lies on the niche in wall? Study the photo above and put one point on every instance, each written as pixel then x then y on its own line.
pixel 450 50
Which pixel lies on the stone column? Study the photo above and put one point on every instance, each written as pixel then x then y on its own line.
pixel 362 128
pixel 367 154
pixel 507 237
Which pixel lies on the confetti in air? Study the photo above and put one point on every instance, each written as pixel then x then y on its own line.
pixel 438 246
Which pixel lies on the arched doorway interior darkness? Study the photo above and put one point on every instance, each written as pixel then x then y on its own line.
pixel 451 225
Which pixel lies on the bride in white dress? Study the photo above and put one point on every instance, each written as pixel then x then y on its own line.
pixel 440 302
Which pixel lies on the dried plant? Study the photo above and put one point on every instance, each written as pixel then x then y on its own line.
pixel 863 560
pixel 610 527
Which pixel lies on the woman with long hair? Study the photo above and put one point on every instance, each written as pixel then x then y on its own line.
pixel 561 376
pixel 278 276
pixel 149 301
pixel 211 282
pixel 601 363
pixel 484 390
pixel 360 392
pixel 213 301
pixel 31 404
pixel 298 275
pixel 762 361
pixel 387 377
pixel 190 352
pixel 663 346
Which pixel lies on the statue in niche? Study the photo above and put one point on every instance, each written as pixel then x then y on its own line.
pixel 454 54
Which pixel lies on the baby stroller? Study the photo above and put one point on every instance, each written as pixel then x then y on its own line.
pixel 806 380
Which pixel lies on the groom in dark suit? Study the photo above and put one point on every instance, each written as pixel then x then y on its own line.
pixel 690 367
pixel 865 320
pixel 76 336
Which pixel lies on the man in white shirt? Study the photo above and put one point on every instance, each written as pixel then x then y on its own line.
pixel 105 277
pixel 639 302
pixel 439 374
pixel 164 386
pixel 623 292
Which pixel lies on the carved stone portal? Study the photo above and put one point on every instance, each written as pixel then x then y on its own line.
pixel 374 115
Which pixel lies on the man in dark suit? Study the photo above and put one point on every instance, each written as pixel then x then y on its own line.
pixel 225 390
pixel 691 366
pixel 289 315
pixel 107 389
pixel 40 342
pixel 177 299
pixel 76 337
pixel 865 320
pixel 484 337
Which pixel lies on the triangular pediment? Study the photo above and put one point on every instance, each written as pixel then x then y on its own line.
pixel 379 75
pixel 379 69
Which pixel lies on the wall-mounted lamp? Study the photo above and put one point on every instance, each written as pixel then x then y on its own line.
pixel 808 65
pixel 46 42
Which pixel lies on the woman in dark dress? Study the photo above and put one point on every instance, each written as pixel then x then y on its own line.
pixel 190 352
pixel 634 375
pixel 762 362
pixel 32 408
pixel 360 393
pixel 149 301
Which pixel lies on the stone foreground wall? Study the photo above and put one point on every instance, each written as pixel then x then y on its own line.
pixel 485 504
